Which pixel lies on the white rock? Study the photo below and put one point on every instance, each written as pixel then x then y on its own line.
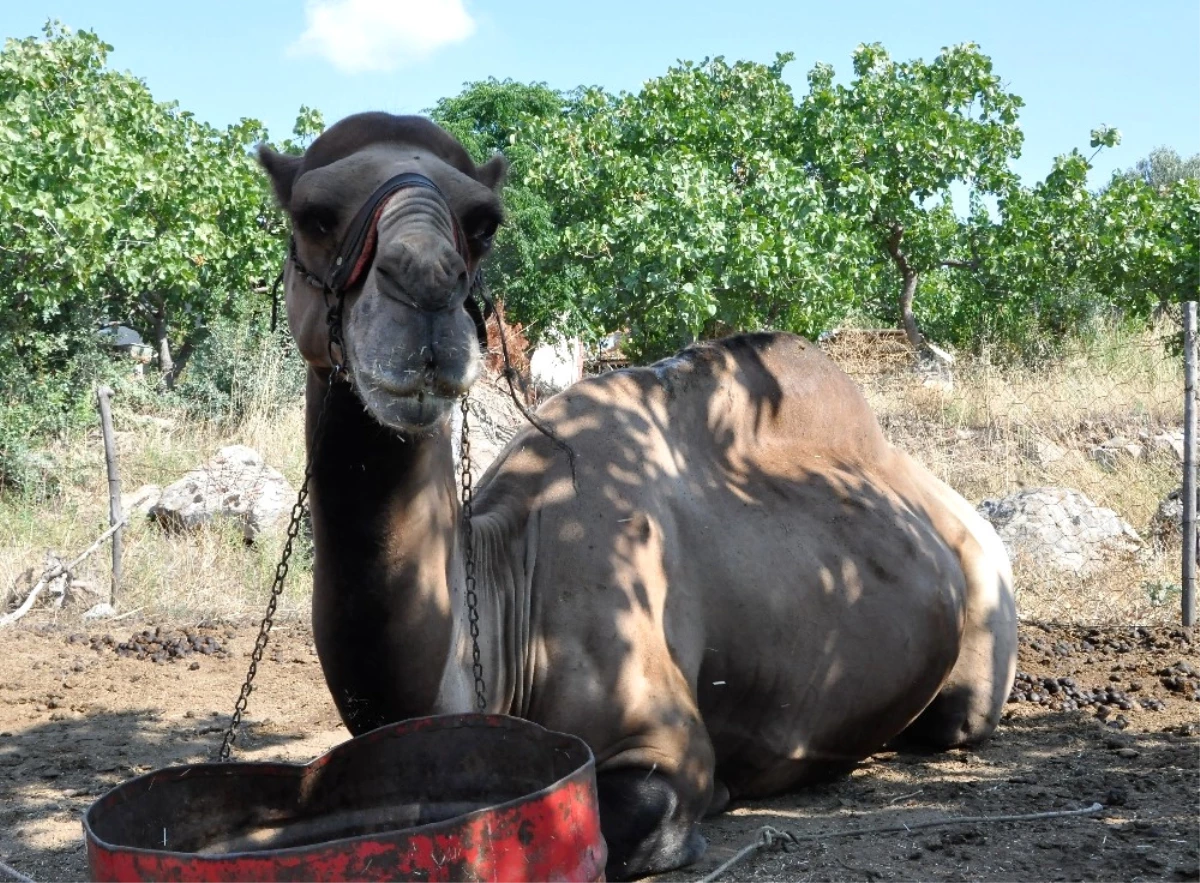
pixel 555 366
pixel 1113 451
pixel 235 484
pixel 100 611
pixel 1060 529
pixel 142 500
pixel 1045 452
pixel 1169 442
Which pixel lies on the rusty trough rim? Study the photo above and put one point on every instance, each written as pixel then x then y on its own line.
pixel 287 768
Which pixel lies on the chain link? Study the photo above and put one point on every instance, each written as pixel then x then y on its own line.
pixel 333 321
pixel 469 561
pixel 281 572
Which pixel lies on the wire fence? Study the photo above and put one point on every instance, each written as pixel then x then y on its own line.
pixel 1078 464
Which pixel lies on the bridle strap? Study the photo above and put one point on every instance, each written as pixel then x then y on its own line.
pixel 355 250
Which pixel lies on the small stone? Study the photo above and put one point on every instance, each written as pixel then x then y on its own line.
pixel 1128 753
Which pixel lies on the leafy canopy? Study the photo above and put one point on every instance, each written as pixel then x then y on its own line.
pixel 684 210
pixel 114 206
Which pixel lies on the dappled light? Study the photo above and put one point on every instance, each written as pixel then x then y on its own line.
pixel 831 583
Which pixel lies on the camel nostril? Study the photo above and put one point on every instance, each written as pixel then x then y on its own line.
pixel 385 275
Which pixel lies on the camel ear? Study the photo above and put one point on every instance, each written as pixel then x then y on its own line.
pixel 282 169
pixel 493 172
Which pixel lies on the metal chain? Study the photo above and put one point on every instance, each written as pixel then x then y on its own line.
pixel 281 572
pixel 333 322
pixel 469 562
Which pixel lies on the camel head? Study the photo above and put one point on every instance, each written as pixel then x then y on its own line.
pixel 389 213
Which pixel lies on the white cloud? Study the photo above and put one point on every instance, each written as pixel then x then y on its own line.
pixel 380 35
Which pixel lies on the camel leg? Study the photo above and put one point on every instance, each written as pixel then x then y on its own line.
pixel 967 708
pixel 646 825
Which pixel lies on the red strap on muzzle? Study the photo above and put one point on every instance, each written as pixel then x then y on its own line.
pixel 368 252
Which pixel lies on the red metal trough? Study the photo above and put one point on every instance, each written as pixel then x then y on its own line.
pixel 458 797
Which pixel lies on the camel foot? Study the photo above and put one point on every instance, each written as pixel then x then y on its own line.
pixel 644 826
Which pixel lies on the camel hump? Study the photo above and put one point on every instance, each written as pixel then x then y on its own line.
pixel 765 388
pixel 770 399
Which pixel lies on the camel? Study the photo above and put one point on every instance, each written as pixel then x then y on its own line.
pixel 733 586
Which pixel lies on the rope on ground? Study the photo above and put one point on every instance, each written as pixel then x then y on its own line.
pixel 772 838
pixel 14 873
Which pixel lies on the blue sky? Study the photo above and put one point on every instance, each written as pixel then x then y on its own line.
pixel 1076 64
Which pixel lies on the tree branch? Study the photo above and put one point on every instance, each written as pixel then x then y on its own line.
pixel 58 570
pixel 893 248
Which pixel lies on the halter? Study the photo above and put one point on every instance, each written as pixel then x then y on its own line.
pixel 356 251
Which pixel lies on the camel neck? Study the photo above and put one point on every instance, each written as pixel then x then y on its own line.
pixel 385 519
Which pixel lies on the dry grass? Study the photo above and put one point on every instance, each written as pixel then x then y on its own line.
pixel 983 436
pixel 980 437
pixel 208 574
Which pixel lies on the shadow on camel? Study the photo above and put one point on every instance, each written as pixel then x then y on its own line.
pixel 737 587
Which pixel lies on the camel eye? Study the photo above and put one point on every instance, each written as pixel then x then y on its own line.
pixel 317 220
pixel 482 230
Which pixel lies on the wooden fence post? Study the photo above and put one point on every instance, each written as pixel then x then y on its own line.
pixel 103 394
pixel 1189 463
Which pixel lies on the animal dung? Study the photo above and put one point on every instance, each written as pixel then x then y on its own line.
pixel 1124 691
pixel 157 645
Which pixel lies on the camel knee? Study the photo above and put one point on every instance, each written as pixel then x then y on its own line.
pixel 957 717
pixel 968 707
pixel 720 801
pixel 647 826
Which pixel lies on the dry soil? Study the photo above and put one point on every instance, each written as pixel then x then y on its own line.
pixel 79 714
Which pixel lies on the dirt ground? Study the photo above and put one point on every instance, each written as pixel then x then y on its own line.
pixel 79 714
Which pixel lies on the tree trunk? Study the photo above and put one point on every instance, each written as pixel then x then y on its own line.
pixel 907 294
pixel 909 290
pixel 181 359
pixel 162 346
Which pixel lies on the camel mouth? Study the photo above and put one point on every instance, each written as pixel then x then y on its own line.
pixel 412 414
pixel 405 409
